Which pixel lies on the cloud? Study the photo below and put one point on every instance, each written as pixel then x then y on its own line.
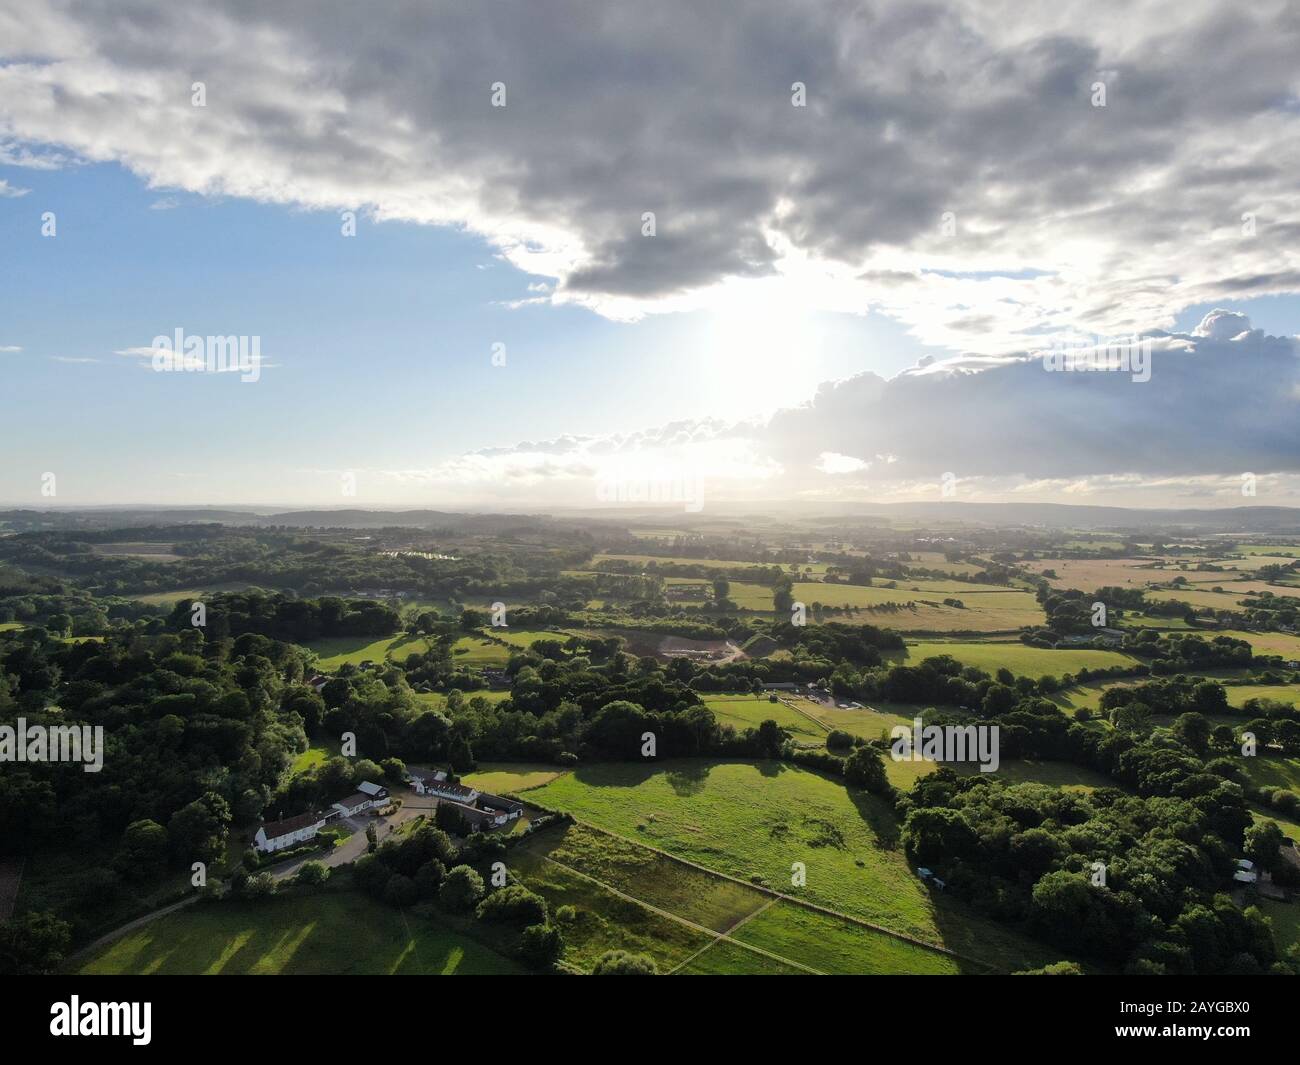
pixel 8 191
pixel 1064 215
pixel 71 359
pixel 10 348
pixel 1220 402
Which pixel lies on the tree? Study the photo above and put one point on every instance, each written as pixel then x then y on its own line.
pixel 197 832
pixel 33 944
pixel 1194 730
pixel 143 853
pixel 312 874
pixel 1262 844
pixel 400 891
pixel 863 768
pixel 625 963
pixel 721 588
pixel 461 889
pixel 541 945
pixel 259 886
pixel 513 905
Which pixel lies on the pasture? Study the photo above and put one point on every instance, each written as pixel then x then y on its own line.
pixel 336 651
pixel 338 932
pixel 1018 657
pixel 503 778
pixel 747 711
pixel 917 606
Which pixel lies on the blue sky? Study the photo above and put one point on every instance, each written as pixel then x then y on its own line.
pixel 378 346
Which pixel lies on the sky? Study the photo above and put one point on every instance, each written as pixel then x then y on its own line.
pixel 521 255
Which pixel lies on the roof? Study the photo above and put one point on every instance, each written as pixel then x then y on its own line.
pixel 426 775
pixel 456 791
pixel 369 788
pixel 276 829
pixel 498 802
pixel 355 799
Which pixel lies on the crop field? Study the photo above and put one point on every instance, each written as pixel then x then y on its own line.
pixel 707 563
pixel 1015 656
pixel 308 933
pixel 1201 598
pixel 1089 574
pixel 746 711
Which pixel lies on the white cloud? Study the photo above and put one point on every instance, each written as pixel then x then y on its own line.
pixel 8 191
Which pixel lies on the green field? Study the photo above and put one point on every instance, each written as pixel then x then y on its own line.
pixel 335 932
pixel 1238 694
pixel 1285 917
pixel 987 608
pixel 1267 643
pixel 753 820
pixel 800 937
pixel 504 778
pixel 746 711
pixel 172 598
pixel 1018 657
pixel 749 819
pixel 438 700
pixel 1273 771
pixel 476 651
pixel 338 651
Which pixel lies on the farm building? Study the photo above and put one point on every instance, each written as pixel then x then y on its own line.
pixel 278 835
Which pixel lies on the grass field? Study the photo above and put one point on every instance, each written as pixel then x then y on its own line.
pixel 438 700
pixel 313 756
pixel 336 932
pixel 1273 771
pixel 987 608
pixel 816 941
pixel 475 651
pixel 508 777
pixel 172 598
pixel 353 650
pixel 1019 658
pixel 1238 694
pixel 755 819
pixel 746 711
pixel 1285 917
pixel 1267 643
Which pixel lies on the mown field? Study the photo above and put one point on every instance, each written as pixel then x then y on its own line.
pixel 336 932
pixel 1267 643
pixel 1021 659
pixel 1239 694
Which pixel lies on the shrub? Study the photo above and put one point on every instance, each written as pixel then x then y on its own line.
pixel 313 873
pixel 625 963
pixel 461 890
pixel 513 905
pixel 541 945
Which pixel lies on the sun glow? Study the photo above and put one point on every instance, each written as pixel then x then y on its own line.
pixel 760 350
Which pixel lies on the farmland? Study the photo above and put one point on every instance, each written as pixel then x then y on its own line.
pixel 1015 656
pixel 746 711
pixel 353 650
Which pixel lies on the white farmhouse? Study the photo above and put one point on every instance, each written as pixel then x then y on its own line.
pixel 278 835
